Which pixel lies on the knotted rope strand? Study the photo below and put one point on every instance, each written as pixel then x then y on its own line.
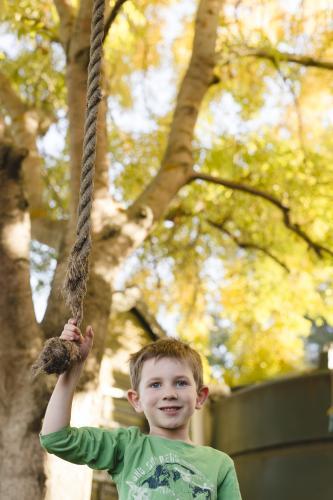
pixel 58 355
pixel 75 285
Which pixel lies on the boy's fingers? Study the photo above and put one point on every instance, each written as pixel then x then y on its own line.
pixel 71 332
pixel 68 336
pixel 89 333
pixel 73 328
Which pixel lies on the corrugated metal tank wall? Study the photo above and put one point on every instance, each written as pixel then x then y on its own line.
pixel 277 434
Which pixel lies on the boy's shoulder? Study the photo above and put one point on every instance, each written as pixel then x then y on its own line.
pixel 132 430
pixel 126 434
pixel 214 454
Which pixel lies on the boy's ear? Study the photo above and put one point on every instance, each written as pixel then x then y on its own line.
pixel 134 400
pixel 202 395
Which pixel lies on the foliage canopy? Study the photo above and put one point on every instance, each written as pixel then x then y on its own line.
pixel 222 268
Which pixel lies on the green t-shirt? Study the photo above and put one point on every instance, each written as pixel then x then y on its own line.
pixel 148 467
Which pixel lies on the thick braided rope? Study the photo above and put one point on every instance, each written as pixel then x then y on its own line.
pixel 75 285
pixel 57 354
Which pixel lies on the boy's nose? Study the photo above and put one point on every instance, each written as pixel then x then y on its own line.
pixel 170 394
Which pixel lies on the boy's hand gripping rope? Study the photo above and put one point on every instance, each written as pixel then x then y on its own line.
pixel 57 354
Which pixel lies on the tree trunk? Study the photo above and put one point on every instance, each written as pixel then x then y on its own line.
pixel 98 301
pixel 21 398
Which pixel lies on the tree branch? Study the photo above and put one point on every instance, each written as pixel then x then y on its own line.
pixel 112 16
pixel 48 232
pixel 247 244
pixel 81 36
pixel 9 98
pixel 294 227
pixel 241 187
pixel 66 15
pixel 276 56
pixel 177 163
pixel 179 212
pixel 79 47
pixel 65 9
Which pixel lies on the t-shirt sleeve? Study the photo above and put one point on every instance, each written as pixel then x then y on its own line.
pixel 92 446
pixel 228 489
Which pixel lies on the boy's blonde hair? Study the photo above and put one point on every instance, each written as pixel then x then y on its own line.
pixel 166 348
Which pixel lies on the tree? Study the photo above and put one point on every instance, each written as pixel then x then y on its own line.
pixel 263 283
pixel 176 211
pixel 116 232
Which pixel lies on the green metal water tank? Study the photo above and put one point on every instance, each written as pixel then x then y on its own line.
pixel 277 434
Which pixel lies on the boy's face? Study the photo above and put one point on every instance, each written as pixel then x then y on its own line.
pixel 168 396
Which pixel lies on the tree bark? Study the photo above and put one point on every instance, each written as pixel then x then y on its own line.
pixel 21 399
pixel 25 125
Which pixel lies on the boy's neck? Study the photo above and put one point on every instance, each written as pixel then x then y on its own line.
pixel 181 434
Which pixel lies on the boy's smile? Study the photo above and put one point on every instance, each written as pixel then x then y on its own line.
pixel 168 397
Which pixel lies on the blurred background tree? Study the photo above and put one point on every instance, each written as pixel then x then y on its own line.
pixel 229 268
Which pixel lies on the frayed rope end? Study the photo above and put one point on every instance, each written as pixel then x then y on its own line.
pixel 56 356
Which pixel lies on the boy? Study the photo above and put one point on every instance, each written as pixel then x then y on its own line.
pixel 167 387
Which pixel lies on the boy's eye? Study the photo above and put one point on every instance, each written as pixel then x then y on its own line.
pixel 182 383
pixel 155 385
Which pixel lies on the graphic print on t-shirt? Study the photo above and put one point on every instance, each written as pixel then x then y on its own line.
pixel 170 476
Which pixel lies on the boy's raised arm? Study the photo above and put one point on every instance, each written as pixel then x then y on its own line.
pixel 58 412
